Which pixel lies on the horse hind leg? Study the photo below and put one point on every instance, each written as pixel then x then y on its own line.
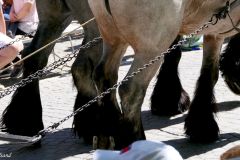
pixel 23 116
pixel 200 124
pixel 105 76
pixel 82 72
pixel 169 97
pixel 230 64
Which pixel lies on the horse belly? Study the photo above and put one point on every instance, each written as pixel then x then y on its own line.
pixel 141 23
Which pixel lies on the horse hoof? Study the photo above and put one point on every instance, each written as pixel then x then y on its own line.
pixel 103 142
pixel 232 85
pixel 201 139
pixel 201 129
pixel 202 136
pixel 174 107
pixel 38 144
pixel 184 102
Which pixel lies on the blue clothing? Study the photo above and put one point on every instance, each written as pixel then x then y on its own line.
pixel 6 12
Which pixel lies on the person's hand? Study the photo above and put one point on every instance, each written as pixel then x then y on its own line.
pixel 13 17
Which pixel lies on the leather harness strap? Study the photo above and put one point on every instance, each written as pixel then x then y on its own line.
pixel 234 4
pixel 224 12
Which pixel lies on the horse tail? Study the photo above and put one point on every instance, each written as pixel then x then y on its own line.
pixel 229 64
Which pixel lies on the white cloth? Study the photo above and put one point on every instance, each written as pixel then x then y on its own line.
pixel 140 150
pixel 4 40
pixel 30 22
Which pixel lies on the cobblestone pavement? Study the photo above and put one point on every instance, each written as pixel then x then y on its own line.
pixel 58 95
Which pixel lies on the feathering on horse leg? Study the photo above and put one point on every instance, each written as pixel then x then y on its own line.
pixel 230 64
pixel 82 71
pixel 169 97
pixel 105 76
pixel 23 116
pixel 200 124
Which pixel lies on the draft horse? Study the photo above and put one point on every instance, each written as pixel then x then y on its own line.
pixel 23 116
pixel 150 27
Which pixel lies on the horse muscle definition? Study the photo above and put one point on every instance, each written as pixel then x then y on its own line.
pixel 150 27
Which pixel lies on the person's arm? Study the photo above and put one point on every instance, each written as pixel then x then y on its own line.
pixel 25 10
pixel 2 22
pixel 12 15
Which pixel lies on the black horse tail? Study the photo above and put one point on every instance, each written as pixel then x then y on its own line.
pixel 229 64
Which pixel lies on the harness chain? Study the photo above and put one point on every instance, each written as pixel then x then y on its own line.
pixel 115 86
pixel 17 40
pixel 26 35
pixel 61 61
pixel 46 70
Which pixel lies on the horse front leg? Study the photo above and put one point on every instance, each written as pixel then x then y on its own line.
pixel 132 94
pixel 169 97
pixel 23 116
pixel 200 124
pixel 109 114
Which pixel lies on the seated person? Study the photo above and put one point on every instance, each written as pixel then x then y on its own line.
pixel 24 12
pixel 6 9
pixel 11 27
pixel 7 53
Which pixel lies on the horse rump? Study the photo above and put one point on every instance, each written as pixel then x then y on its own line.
pixel 229 64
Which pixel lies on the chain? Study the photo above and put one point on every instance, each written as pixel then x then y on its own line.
pixel 46 70
pixel 18 39
pixel 69 57
pixel 115 86
pixel 38 50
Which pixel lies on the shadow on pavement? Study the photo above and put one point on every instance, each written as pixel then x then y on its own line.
pixel 157 122
pixel 58 145
pixel 188 149
pixel 228 105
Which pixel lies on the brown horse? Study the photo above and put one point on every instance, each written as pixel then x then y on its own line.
pixel 150 27
pixel 105 119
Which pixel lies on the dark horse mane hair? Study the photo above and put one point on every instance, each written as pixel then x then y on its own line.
pixel 230 64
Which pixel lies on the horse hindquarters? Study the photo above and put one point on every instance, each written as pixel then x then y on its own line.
pixel 200 124
pixel 229 64
pixel 169 97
